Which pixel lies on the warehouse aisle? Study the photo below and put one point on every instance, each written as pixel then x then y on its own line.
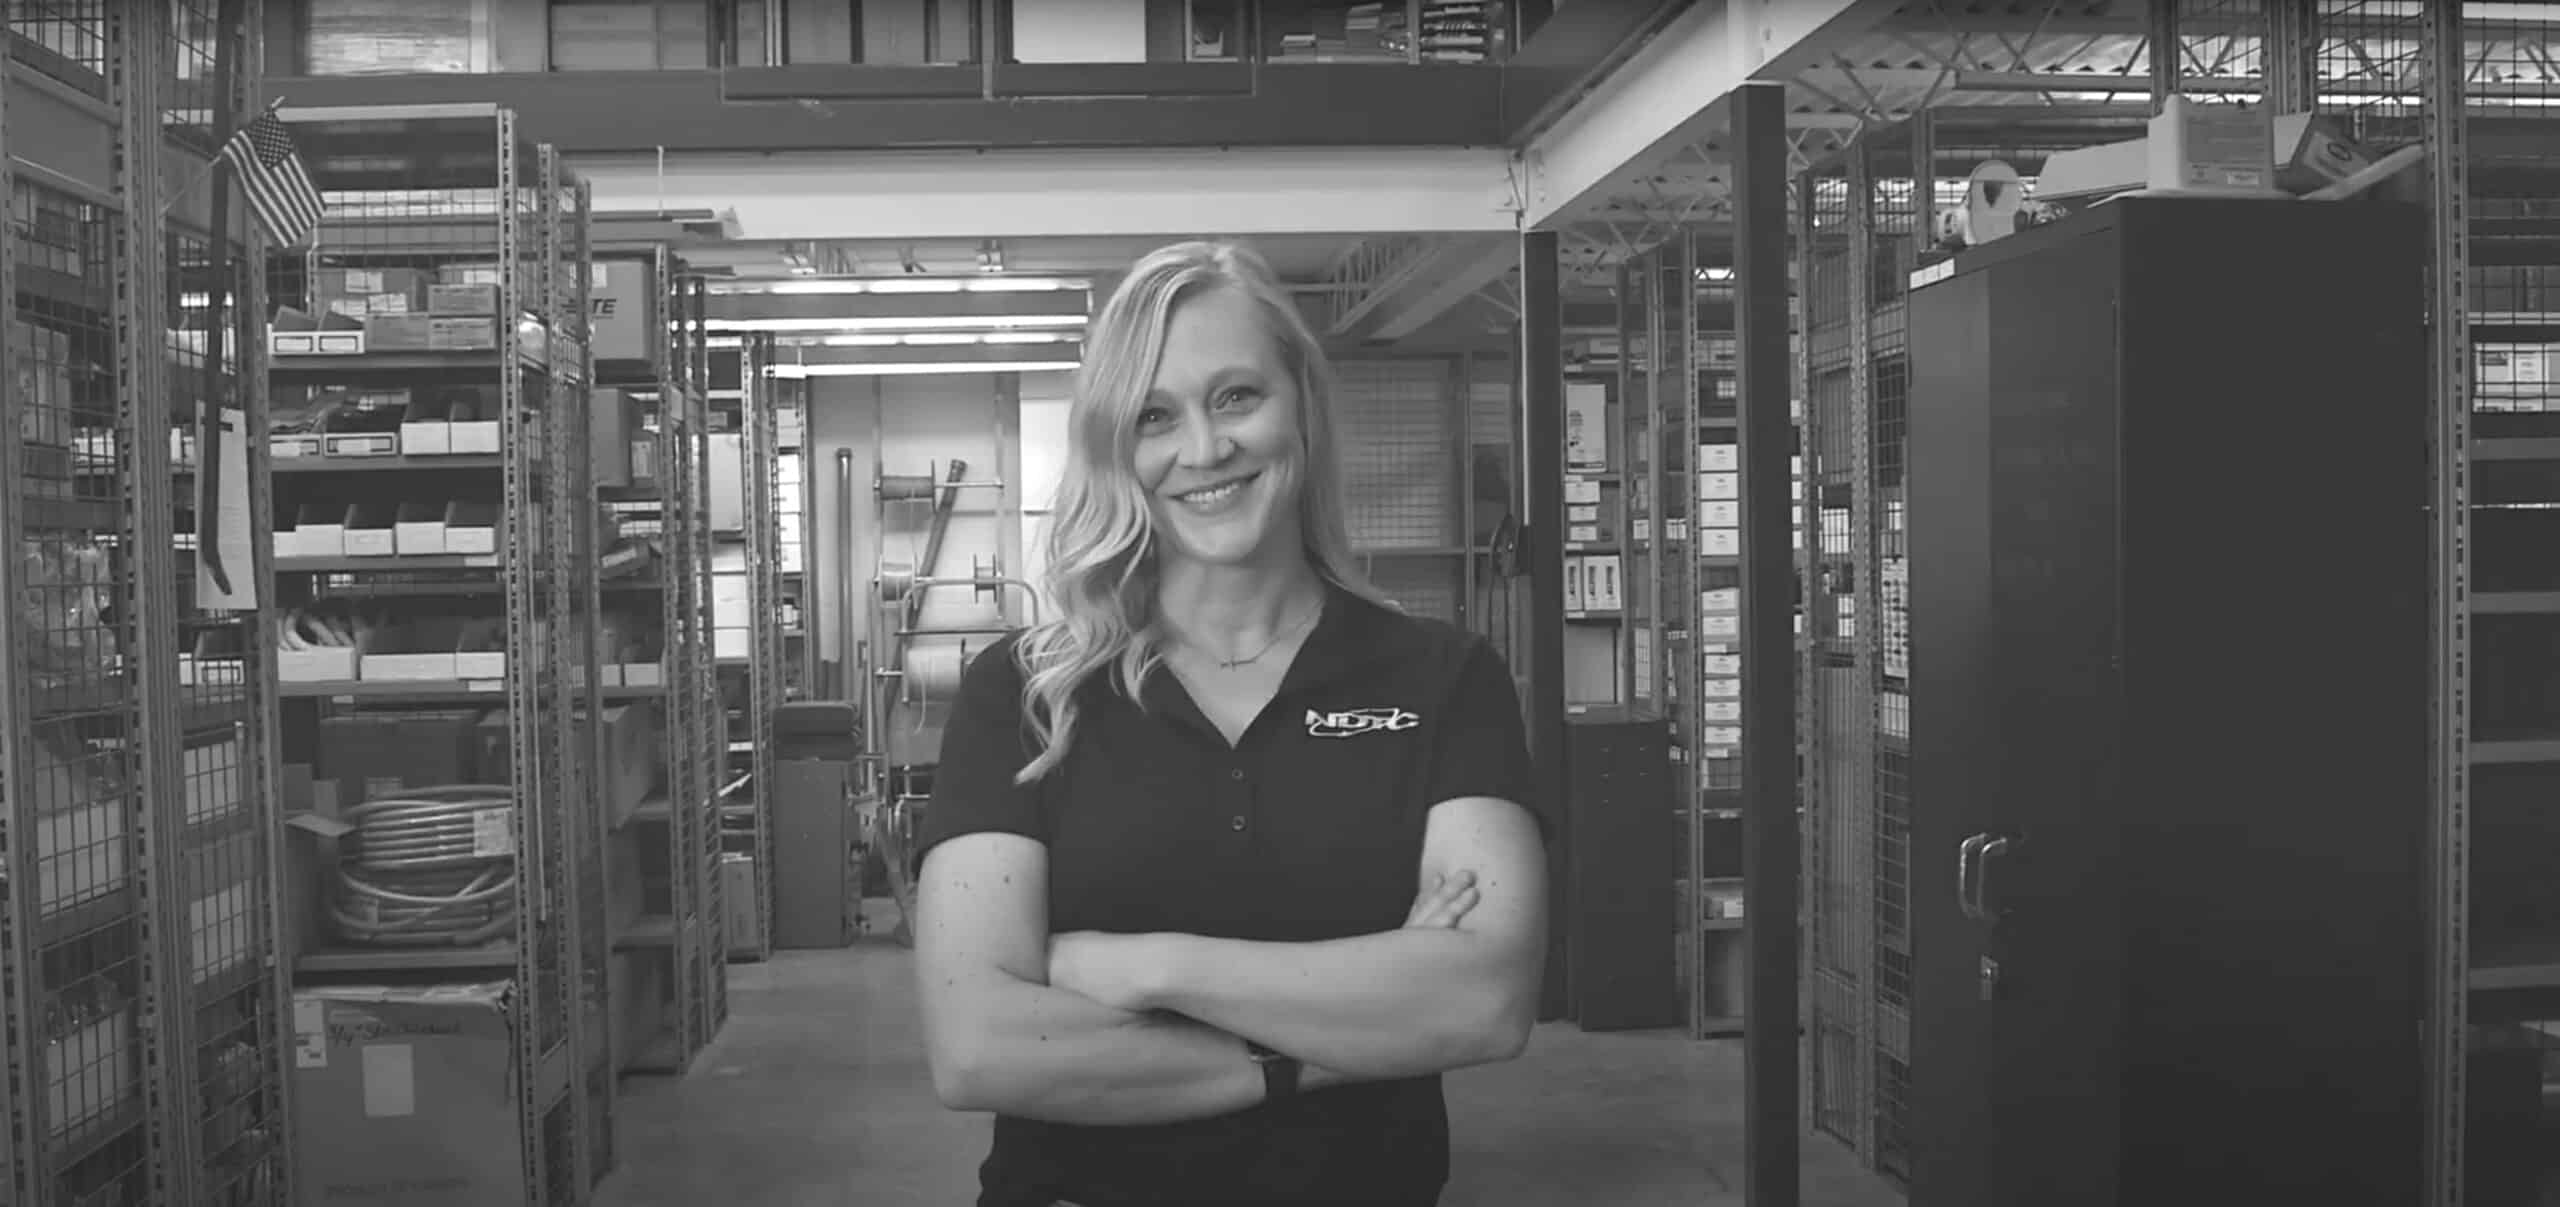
pixel 815 1095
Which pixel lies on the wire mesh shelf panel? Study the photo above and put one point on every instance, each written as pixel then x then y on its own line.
pixel 79 948
pixel 1394 436
pixel 427 373
pixel 64 39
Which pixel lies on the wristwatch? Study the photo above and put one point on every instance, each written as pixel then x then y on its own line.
pixel 1279 1072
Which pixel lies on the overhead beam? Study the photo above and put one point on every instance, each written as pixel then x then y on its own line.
pixel 1034 193
pixel 861 107
pixel 1665 97
pixel 1459 267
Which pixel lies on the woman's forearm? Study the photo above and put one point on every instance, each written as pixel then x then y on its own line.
pixel 1403 1003
pixel 1040 1053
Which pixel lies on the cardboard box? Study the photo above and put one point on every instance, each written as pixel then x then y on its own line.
pixel 1720 458
pixel 366 293
pixel 478 300
pixel 1719 486
pixel 1586 425
pixel 480 650
pixel 407 1097
pixel 622 311
pixel 614 420
pixel 399 333
pixel 447 333
pixel 424 430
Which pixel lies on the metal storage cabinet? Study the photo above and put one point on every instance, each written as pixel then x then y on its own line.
pixel 2169 710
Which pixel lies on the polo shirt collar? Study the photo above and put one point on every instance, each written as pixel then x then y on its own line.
pixel 1348 637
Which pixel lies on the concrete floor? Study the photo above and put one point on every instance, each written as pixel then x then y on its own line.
pixel 816 1095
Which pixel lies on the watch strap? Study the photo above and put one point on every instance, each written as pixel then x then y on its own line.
pixel 1279 1072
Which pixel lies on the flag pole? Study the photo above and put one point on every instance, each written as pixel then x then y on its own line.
pixel 206 172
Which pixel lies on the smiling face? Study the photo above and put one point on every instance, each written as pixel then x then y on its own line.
pixel 1219 452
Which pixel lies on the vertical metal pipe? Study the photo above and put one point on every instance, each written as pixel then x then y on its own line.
pixel 2168 53
pixel 1542 560
pixel 1770 1080
pixel 851 683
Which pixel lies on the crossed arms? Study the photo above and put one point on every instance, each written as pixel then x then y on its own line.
pixel 1137 1029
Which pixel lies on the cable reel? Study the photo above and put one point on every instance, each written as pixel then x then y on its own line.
pixel 428 867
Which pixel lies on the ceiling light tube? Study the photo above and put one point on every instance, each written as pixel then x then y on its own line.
pixel 905 322
pixel 886 285
pixel 918 368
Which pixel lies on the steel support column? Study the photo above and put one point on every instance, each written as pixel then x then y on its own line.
pixel 2292 56
pixel 2168 54
pixel 1771 1079
pixel 2444 61
pixel 1542 555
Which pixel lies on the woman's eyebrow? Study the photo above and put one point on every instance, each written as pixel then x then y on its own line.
pixel 1217 381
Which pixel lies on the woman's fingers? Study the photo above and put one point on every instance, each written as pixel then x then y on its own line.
pixel 1445 901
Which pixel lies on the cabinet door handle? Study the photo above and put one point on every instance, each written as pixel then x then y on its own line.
pixel 1991 850
pixel 1968 868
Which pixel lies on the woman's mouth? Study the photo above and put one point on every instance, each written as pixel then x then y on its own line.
pixel 1211 496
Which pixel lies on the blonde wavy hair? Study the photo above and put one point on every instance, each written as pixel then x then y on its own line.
pixel 1102 568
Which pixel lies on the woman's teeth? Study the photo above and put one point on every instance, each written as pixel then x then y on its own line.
pixel 1215 494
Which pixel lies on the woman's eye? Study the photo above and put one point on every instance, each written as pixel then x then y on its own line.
pixel 1236 396
pixel 1153 418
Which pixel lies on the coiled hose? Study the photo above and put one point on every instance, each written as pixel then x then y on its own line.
pixel 428 867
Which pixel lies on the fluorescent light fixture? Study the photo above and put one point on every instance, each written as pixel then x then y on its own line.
pixel 934 339
pixel 1715 272
pixel 906 322
pixel 844 285
pixel 918 368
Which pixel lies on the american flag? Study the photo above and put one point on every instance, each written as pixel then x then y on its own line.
pixel 280 191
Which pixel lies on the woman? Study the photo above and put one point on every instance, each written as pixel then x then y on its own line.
pixel 1228 860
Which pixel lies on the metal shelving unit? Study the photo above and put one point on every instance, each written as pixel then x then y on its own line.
pixel 744 539
pixel 472 242
pixel 664 934
pixel 143 1060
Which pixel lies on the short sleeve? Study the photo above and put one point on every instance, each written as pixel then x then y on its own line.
pixel 984 743
pixel 1483 747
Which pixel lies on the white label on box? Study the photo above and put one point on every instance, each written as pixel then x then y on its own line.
pixel 1720 486
pixel 1721 664
pixel 493 834
pixel 310 1033
pixel 1581 490
pixel 1582 534
pixel 1722 625
pixel 1719 688
pixel 1582 513
pixel 390 1081
pixel 1719 457
pixel 1720 514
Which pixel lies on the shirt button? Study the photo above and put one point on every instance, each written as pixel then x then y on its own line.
pixel 1237 774
pixel 1236 823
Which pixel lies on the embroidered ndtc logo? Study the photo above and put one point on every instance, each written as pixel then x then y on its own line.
pixel 1351 723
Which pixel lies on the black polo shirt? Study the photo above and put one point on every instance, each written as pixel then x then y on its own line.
pixel 1308 829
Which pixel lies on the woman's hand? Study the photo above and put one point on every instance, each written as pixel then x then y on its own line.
pixel 1443 902
pixel 1123 972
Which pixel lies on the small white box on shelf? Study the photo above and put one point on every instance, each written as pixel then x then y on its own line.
pixel 419 530
pixel 1603 592
pixel 323 664
pixel 643 674
pixel 1720 738
pixel 315 343
pixel 1720 664
pixel 362 444
pixel 1720 513
pixel 373 530
pixel 1719 688
pixel 1586 425
pixel 1582 513
pixel 422 651
pixel 1721 712
pixel 1582 534
pixel 1722 626
pixel 731 643
pixel 1581 490
pixel 1720 542
pixel 320 530
pixel 1719 486
pixel 1719 458
pixel 1573 582
pixel 1720 599
pixel 471 528
pixel 424 430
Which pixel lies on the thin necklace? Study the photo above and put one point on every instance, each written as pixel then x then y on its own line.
pixel 1229 664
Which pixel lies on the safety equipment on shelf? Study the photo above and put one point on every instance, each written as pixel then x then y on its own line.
pixel 322 628
pixel 428 867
